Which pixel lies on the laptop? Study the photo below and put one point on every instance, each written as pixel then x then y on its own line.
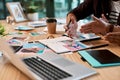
pixel 46 66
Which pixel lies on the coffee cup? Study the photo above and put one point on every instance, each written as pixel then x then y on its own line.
pixel 51 25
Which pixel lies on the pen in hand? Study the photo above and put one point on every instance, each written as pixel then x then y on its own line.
pixel 68 25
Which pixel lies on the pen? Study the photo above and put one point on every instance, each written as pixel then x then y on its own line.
pixel 82 37
pixel 98 46
pixel 68 25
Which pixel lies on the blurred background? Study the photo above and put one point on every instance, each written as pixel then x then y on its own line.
pixel 46 8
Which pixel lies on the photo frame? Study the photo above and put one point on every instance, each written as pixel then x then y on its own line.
pixel 16 11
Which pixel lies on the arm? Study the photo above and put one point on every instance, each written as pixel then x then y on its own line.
pixel 80 12
pixel 83 10
pixel 99 26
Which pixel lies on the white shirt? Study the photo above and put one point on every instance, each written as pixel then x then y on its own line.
pixel 116 6
pixel 115 12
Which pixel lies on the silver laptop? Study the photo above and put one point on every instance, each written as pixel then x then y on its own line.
pixel 46 66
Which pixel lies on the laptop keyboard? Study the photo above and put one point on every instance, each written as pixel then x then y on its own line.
pixel 45 70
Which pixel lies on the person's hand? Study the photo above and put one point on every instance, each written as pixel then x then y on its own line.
pixel 113 37
pixel 104 18
pixel 97 26
pixel 71 29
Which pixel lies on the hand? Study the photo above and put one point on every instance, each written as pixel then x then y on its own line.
pixel 104 18
pixel 97 26
pixel 71 29
pixel 113 37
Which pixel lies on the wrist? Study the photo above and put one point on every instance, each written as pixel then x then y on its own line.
pixel 111 27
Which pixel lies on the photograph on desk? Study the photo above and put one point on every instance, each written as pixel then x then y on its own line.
pixel 34 47
pixel 17 40
pixel 85 37
pixel 74 45
pixel 100 58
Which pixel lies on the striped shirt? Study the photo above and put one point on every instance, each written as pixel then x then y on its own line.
pixel 115 13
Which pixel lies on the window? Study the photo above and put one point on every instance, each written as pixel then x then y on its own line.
pixel 62 7
pixel 47 8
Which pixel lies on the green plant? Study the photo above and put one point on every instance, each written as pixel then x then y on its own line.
pixel 2 30
pixel 31 9
pixel 29 6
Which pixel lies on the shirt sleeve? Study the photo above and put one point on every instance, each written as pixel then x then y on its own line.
pixel 83 10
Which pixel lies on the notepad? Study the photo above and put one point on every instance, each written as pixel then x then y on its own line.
pixel 100 58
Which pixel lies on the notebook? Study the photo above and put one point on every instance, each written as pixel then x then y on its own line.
pixel 46 66
pixel 100 58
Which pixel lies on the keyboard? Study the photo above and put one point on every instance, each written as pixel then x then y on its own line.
pixel 44 69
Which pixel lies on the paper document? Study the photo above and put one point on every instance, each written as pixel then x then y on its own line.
pixel 63 44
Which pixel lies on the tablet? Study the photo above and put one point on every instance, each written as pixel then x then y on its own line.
pixel 100 58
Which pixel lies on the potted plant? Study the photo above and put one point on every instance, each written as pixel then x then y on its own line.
pixel 31 10
pixel 32 13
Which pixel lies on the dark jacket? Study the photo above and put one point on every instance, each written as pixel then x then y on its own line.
pixel 95 7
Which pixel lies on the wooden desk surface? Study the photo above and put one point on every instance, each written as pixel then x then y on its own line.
pixel 9 72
